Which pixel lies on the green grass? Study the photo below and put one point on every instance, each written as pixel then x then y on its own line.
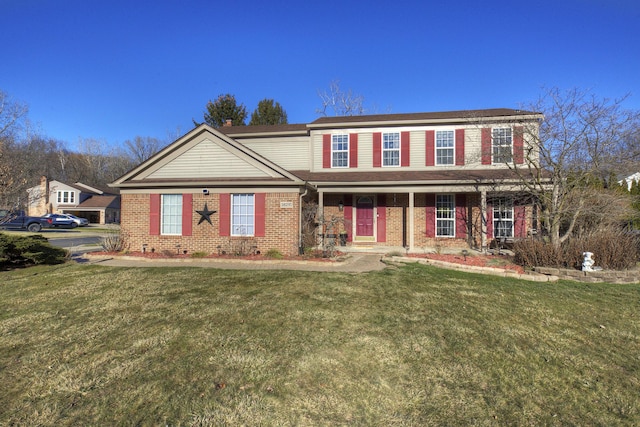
pixel 412 346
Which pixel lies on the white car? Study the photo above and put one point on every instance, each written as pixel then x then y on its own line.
pixel 80 221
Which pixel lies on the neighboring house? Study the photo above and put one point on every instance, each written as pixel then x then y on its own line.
pixel 630 180
pixel 414 181
pixel 77 199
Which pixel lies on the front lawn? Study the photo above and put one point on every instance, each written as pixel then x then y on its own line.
pixel 416 345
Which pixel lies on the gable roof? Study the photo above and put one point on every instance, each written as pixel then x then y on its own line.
pixel 402 119
pixel 208 156
pixel 264 130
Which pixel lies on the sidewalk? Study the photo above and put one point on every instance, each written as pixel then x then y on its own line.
pixel 354 263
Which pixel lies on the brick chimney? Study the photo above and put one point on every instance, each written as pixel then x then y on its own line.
pixel 228 122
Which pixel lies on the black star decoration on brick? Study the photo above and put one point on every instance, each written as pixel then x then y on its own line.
pixel 205 215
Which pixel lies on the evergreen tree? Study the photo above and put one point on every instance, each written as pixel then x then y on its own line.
pixel 268 112
pixel 223 108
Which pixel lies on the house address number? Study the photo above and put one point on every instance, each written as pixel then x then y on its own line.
pixel 286 205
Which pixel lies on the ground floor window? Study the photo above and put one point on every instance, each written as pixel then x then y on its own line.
pixel 242 214
pixel 171 214
pixel 445 215
pixel 503 218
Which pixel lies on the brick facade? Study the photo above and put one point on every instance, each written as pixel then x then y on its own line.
pixel 281 227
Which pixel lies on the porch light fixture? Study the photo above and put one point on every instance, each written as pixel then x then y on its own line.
pixel 340 206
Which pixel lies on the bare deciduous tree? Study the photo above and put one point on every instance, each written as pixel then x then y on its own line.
pixel 571 156
pixel 142 147
pixel 337 102
pixel 12 113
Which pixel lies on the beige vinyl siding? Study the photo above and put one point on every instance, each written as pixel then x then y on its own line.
pixel 473 147
pixel 290 153
pixel 207 159
pixel 417 149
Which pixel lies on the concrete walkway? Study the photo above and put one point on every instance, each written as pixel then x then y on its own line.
pixel 354 263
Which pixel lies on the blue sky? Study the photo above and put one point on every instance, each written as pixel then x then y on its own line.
pixel 113 70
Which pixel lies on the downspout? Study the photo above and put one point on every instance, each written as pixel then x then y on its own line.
pixel 300 248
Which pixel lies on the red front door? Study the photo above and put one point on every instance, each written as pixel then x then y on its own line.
pixel 364 217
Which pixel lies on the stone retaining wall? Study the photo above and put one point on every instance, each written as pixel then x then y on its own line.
pixel 609 276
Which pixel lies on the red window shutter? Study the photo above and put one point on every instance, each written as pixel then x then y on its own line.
pixel 518 145
pixel 259 215
pixel 154 214
pixel 382 218
pixel 430 147
pixel 225 215
pixel 489 221
pixel 377 149
pixel 459 147
pixel 348 216
pixel 326 151
pixel 430 213
pixel 486 146
pixel 461 216
pixel 519 221
pixel 187 214
pixel 353 150
pixel 404 149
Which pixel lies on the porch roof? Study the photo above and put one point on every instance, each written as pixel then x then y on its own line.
pixel 400 177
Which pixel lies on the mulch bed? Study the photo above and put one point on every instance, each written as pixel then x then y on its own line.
pixel 492 261
pixel 259 257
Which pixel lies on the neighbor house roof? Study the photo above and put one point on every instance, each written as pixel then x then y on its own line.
pixel 101 202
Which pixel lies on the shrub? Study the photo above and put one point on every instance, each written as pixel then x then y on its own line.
pixel 612 249
pixel 537 253
pixel 113 242
pixel 34 249
pixel 274 253
pixel 198 254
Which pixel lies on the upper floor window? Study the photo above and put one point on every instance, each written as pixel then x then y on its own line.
pixel 242 214
pixel 445 144
pixel 339 151
pixel 171 214
pixel 391 149
pixel 502 141
pixel 445 215
pixel 66 196
pixel 502 218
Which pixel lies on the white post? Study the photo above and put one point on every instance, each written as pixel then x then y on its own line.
pixel 411 221
pixel 483 219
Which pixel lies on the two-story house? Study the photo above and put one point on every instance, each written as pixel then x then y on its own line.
pixel 82 200
pixel 416 181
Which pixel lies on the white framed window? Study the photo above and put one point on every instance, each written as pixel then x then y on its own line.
pixel 445 146
pixel 171 214
pixel 445 215
pixel 66 196
pixel 391 149
pixel 503 218
pixel 340 151
pixel 502 143
pixel 242 214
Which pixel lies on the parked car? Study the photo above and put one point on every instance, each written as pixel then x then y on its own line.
pixel 21 222
pixel 61 221
pixel 80 221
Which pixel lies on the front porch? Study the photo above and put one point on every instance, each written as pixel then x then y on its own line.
pixel 442 220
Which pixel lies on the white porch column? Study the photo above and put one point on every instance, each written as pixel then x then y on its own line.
pixel 483 219
pixel 411 221
pixel 320 216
